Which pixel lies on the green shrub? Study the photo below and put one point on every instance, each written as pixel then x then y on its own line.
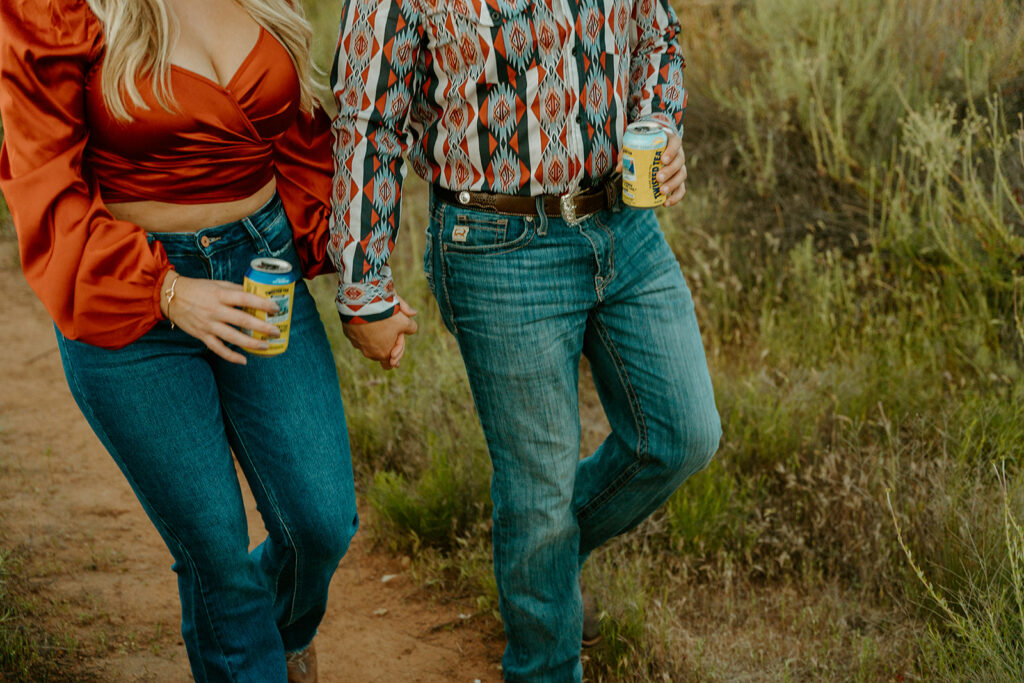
pixel 442 504
pixel 979 632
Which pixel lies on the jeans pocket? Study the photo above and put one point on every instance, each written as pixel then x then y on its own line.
pixel 485 234
pixel 277 241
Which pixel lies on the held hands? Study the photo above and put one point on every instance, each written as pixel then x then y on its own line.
pixel 384 340
pixel 209 310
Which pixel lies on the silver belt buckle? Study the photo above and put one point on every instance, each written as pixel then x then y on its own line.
pixel 567 207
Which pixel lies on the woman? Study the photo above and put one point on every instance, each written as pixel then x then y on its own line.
pixel 152 149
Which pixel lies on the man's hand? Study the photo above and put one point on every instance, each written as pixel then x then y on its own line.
pixel 384 340
pixel 672 175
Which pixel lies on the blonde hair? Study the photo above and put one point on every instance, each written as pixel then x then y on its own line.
pixel 139 35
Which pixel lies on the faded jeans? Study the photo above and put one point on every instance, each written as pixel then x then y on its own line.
pixel 525 297
pixel 171 413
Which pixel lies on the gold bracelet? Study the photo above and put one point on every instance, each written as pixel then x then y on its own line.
pixel 170 297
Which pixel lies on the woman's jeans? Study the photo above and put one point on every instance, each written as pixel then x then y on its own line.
pixel 171 413
pixel 525 297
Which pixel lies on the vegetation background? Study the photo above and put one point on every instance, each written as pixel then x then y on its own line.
pixel 854 238
pixel 853 235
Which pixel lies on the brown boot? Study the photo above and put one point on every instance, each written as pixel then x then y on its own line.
pixel 302 665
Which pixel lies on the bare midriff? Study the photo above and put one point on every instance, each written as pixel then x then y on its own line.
pixel 166 217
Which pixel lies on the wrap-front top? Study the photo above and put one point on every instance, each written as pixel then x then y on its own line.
pixel 65 155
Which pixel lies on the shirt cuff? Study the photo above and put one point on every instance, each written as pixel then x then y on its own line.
pixel 369 300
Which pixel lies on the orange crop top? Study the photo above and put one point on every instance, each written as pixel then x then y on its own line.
pixel 64 155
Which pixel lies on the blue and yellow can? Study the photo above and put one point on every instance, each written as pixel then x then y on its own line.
pixel 642 147
pixel 274 279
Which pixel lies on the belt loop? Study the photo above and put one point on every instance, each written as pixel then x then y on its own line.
pixel 612 192
pixel 542 216
pixel 258 241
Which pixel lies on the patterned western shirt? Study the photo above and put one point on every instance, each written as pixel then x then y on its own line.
pixel 521 97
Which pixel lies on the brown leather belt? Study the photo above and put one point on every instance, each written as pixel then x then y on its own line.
pixel 571 207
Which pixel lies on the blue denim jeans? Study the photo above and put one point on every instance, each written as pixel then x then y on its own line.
pixel 525 297
pixel 171 413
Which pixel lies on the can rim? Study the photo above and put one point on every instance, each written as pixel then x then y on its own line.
pixel 270 265
pixel 644 127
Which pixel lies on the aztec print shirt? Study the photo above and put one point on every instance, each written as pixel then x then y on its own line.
pixel 521 97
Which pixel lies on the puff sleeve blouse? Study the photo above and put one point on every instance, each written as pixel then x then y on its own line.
pixel 99 277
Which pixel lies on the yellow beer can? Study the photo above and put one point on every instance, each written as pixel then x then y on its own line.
pixel 642 147
pixel 271 278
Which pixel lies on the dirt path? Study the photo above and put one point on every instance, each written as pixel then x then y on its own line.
pixel 103 575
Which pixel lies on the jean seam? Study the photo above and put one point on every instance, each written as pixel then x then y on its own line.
pixel 276 510
pixel 598 288
pixel 624 478
pixel 259 240
pixel 441 279
pixel 611 252
pixel 95 423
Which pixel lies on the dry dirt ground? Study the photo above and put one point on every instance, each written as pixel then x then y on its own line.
pixel 102 575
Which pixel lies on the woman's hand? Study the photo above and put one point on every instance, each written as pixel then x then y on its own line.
pixel 209 310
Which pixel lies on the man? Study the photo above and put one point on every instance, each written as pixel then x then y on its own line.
pixel 515 111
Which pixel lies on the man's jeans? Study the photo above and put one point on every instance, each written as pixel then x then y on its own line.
pixel 525 297
pixel 170 413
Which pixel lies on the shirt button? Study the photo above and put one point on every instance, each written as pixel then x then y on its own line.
pixel 205 241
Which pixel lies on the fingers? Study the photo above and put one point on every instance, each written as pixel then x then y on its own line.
pixel 221 349
pixel 232 335
pixel 676 196
pixel 394 359
pixel 410 326
pixel 673 173
pixel 246 321
pixel 242 299
pixel 405 308
pixel 673 168
pixel 398 351
pixel 672 149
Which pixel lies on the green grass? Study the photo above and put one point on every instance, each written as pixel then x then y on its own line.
pixel 979 632
pixel 29 653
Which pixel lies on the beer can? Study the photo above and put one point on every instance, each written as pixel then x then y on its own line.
pixel 274 279
pixel 642 147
